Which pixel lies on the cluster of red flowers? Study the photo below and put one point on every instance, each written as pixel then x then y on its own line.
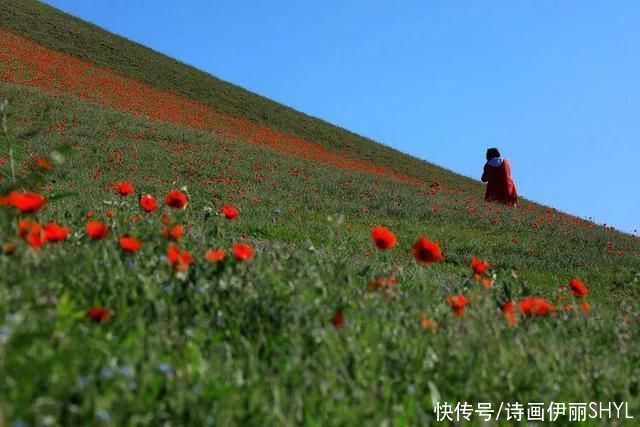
pixel 533 306
pixel 480 271
pixel 25 202
pixel 25 62
pixel 36 235
pixel 28 203
pixel 458 303
pixel 424 250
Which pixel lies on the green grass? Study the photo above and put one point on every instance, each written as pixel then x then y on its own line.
pixel 57 30
pixel 252 343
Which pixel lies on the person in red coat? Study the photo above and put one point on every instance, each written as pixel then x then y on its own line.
pixel 497 175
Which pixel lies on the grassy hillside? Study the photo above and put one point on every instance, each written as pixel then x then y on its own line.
pixel 319 326
pixel 57 30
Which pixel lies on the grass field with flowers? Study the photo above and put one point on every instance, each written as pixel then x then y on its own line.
pixel 178 251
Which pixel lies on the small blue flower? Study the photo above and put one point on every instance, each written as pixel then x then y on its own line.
pixel 82 382
pixel 165 368
pixel 106 372
pixel 127 371
pixel 103 416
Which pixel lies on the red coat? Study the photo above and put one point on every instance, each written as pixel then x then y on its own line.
pixel 500 187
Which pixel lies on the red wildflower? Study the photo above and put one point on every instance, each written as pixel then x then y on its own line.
pixel 535 306
pixel 148 203
pixel 99 314
pixel 43 163
pixel 24 225
pixel 426 252
pixel 479 266
pixel 509 311
pixel 215 255
pixel 428 323
pixel 585 307
pixel 578 288
pixel 457 304
pixel 130 244
pixel 5 200
pixel 124 188
pixel 110 213
pixel 380 283
pixel 165 219
pixel 173 233
pixel 26 202
pixel 178 260
pixel 55 233
pixel 383 238
pixel 176 199
pixel 35 236
pixel 338 320
pixel 96 230
pixel 486 282
pixel 242 251
pixel 8 248
pixel 229 212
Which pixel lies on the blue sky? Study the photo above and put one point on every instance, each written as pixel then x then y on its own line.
pixel 554 84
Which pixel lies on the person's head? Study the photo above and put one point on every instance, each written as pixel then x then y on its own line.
pixel 492 153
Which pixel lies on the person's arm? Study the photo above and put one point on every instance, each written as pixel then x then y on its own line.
pixel 485 177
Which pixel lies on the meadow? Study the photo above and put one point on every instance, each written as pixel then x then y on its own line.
pixel 171 259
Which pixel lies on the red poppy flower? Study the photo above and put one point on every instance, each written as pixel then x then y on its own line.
pixel 380 283
pixel 338 320
pixel 35 236
pixel 124 188
pixel 229 212
pixel 215 255
pixel 8 248
pixel 110 213
pixel 96 230
pixel 242 251
pixel 148 203
pixel 383 238
pixel 26 202
pixel 24 225
pixel 176 199
pixel 585 307
pixel 457 304
pixel 164 218
pixel 486 282
pixel 173 233
pixel 178 260
pixel 99 314
pixel 535 306
pixel 509 311
pixel 428 323
pixel 426 252
pixel 43 163
pixel 130 244
pixel 578 288
pixel 479 266
pixel 5 200
pixel 55 233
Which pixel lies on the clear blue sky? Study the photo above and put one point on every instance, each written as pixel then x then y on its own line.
pixel 554 84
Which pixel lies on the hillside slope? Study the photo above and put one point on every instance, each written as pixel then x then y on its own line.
pixel 190 259
pixel 62 32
